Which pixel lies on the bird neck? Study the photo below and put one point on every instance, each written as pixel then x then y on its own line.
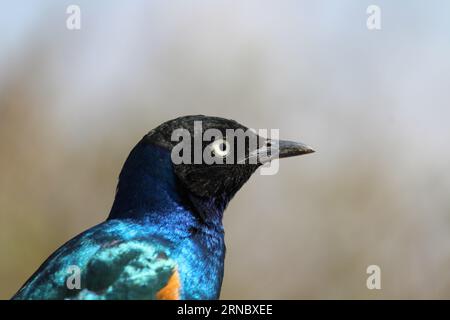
pixel 149 188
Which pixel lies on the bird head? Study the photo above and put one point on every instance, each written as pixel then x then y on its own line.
pixel 211 157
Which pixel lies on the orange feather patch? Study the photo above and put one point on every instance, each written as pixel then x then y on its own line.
pixel 172 289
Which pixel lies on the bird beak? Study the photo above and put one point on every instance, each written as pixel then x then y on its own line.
pixel 278 149
pixel 290 148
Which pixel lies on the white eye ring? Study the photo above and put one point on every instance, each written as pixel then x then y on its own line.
pixel 217 145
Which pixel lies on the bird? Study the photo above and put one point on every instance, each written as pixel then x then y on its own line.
pixel 163 238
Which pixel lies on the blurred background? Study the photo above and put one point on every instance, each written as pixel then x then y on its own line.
pixel 374 104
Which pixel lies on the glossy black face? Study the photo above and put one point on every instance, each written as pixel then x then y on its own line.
pixel 219 169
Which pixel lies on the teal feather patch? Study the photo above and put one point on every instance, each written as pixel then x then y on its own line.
pixel 132 270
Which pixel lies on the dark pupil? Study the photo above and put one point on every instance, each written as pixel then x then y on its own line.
pixel 222 147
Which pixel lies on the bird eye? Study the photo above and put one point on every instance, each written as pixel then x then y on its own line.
pixel 220 148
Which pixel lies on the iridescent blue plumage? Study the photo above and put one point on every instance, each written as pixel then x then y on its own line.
pixel 150 224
